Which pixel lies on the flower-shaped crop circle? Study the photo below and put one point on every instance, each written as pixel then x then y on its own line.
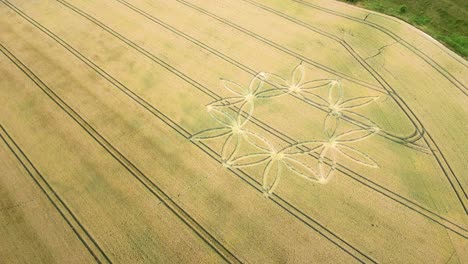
pixel 277 160
pixel 296 84
pixel 337 107
pixel 244 97
pixel 233 113
pixel 339 146
pixel 232 127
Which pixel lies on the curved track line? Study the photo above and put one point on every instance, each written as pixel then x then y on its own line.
pixel 406 141
pixel 342 244
pixel 397 38
pixel 88 241
pixel 128 165
pixel 419 130
pixel 415 207
pixel 440 158
pixel 211 153
pixel 443 163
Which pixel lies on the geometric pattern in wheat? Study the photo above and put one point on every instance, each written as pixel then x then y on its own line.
pixel 233 113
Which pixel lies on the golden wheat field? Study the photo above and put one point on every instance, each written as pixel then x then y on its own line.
pixel 246 131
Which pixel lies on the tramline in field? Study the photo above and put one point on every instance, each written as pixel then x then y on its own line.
pixel 229 131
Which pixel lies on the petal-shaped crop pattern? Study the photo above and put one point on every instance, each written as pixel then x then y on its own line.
pixel 300 148
pixel 234 112
pixel 271 177
pixel 223 116
pixel 358 102
pixel 330 125
pixel 298 75
pixel 256 84
pixel 311 86
pixel 326 169
pixel 270 93
pixel 276 81
pixel 301 169
pixel 316 100
pixel 355 135
pixel 339 145
pixel 249 160
pixel 359 119
pixel 225 102
pixel 211 133
pixel 335 93
pixel 296 83
pixel 234 87
pixel 245 112
pixel 259 142
pixel 356 155
pixel 230 147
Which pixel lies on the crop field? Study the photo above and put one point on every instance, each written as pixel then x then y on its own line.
pixel 248 131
